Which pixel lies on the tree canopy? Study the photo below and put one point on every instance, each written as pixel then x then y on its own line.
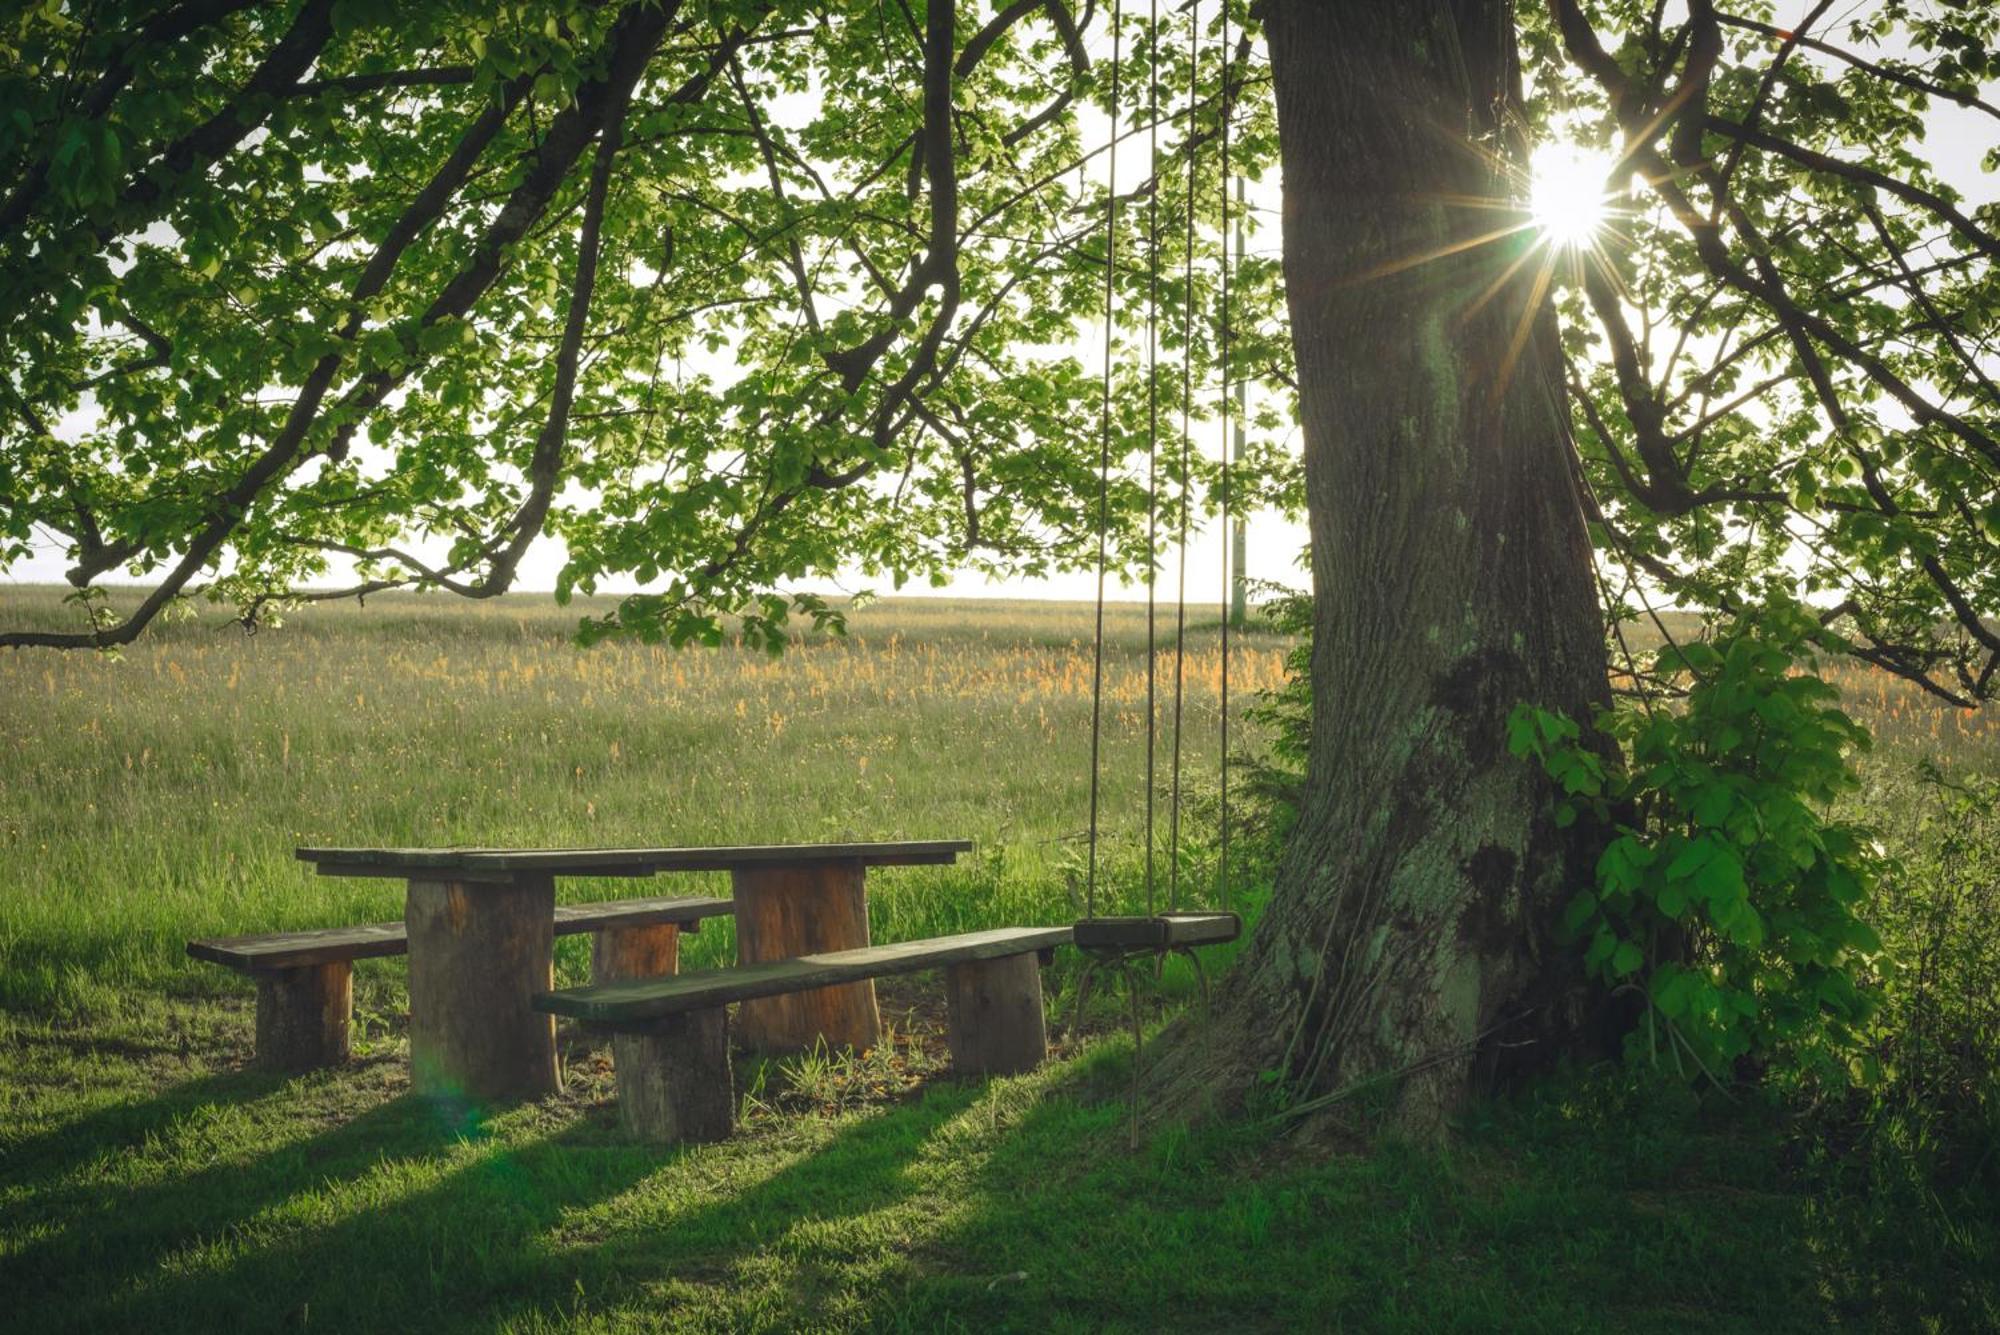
pixel 726 295
pixel 730 295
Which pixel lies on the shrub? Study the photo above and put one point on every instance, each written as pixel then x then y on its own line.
pixel 1727 895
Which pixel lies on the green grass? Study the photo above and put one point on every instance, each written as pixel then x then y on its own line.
pixel 150 1180
pixel 148 1188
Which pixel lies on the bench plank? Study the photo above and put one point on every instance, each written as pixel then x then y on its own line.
pixel 292 950
pixel 501 863
pixel 640 1001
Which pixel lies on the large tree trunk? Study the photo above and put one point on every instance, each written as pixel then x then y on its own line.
pixel 1410 936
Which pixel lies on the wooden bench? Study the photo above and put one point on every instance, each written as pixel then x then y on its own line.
pixel 305 979
pixel 670 1042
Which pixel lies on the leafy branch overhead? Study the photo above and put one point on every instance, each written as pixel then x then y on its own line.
pixel 725 295
pixel 1781 350
pixel 731 296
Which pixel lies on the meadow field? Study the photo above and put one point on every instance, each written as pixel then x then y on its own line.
pixel 160 795
pixel 150 1178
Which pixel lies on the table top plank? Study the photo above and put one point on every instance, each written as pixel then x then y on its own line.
pixel 502 863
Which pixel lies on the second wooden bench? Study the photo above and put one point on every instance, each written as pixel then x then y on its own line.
pixel 305 979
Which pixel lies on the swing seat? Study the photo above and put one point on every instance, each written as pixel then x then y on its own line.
pixel 1157 931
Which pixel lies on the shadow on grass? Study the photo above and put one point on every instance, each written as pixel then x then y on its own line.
pixel 1007 1206
pixel 119 1213
pixel 46 1157
pixel 1236 1228
pixel 861 1168
pixel 479 1234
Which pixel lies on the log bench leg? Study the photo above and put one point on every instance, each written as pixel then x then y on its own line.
pixel 673 1079
pixel 634 952
pixel 996 1021
pixel 303 1015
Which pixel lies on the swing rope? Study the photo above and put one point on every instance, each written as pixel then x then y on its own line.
pixel 1187 475
pixel 1152 425
pixel 1222 357
pixel 1104 451
pixel 1152 469
pixel 1113 945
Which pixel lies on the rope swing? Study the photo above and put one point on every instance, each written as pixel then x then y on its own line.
pixel 1115 943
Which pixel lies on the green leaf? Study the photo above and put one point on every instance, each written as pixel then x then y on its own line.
pixel 1582 907
pixel 1673 900
pixel 1522 739
pixel 1694 855
pixel 1602 944
pixel 1719 879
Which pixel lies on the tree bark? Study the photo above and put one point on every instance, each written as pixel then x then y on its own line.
pixel 1410 934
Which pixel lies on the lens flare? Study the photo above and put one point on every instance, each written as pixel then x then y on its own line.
pixel 1568 193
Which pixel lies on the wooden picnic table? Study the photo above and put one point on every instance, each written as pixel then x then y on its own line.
pixel 481 944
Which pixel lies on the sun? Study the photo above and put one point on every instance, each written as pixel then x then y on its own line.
pixel 1567 192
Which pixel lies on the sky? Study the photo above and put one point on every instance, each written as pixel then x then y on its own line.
pixel 1957 139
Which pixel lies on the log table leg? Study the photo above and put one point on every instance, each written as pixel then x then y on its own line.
pixel 653 951
pixel 673 1079
pixel 618 953
pixel 804 909
pixel 478 954
pixel 302 1016
pixel 996 1022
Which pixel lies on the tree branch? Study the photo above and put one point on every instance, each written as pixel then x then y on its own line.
pixel 1982 241
pixel 163 29
pixel 286 448
pixel 442 76
pixel 545 465
pixel 1890 73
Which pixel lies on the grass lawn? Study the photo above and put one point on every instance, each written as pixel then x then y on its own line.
pixel 150 1180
